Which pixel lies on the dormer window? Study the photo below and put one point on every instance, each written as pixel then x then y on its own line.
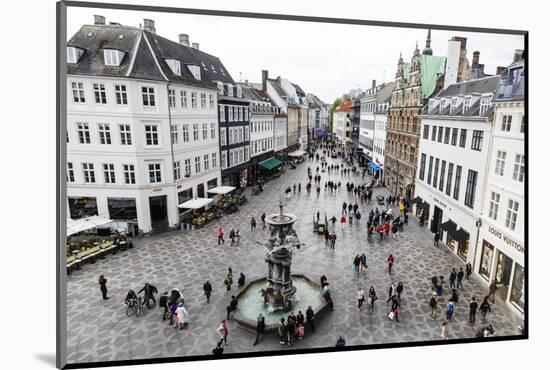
pixel 467 104
pixel 113 57
pixel 484 104
pixel 220 87
pixel 453 104
pixel 195 71
pixel 229 90
pixel 441 106
pixel 239 91
pixel 74 54
pixel 174 65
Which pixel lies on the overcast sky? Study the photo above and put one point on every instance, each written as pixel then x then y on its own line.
pixel 324 59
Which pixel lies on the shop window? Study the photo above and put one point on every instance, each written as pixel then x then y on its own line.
pixel 122 209
pixel 518 286
pixel 486 263
pixel 451 243
pixel 80 207
pixel 462 249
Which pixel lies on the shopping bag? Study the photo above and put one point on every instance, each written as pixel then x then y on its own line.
pixel 353 267
pixel 391 315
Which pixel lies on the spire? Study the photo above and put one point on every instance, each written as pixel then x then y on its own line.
pixel 416 51
pixel 427 50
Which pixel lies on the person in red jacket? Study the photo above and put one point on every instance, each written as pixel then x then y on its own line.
pixel 343 221
pixel 390 263
pixel 220 236
pixel 387 230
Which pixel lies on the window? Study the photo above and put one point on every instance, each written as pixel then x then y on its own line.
pixel 246 113
pixel 442 177
pixel 129 174
pixel 436 173
pixel 205 131
pixel 223 160
pixel 177 170
pixel 434 132
pixel 113 57
pixel 74 54
pixel 246 134
pixel 148 96
pixel 453 105
pixel 187 164
pixel 449 179
pixel 484 104
pixel 151 135
pixel 211 101
pixel 447 134
pixel 477 140
pixel 471 189
pixel 467 103
pixel 183 98
pixel 453 136
pixel 222 113
pixel 506 123
pixel 426 132
pixel 456 193
pixel 230 113
pixel 78 92
pixel 185 133
pixel 195 131
pixel 193 100
pixel 174 133
pixel 121 95
pixel 212 130
pixel 440 134
pixel 206 162
pixel 422 166
pixel 203 101
pixel 519 168
pixel 214 160
pixel 172 98
pixel 493 205
pixel 99 94
pixel 501 161
pixel 197 164
pixel 109 173
pixel 70 172
pixel 412 153
pixel 104 133
pixel 512 214
pixel 174 65
pixel 154 173
pixel 223 136
pixel 430 169
pixel 463 133
pixel 522 127
pixel 195 71
pixel 89 174
pixel 83 133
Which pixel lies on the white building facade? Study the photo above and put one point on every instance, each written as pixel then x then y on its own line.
pixel 501 255
pixel 342 126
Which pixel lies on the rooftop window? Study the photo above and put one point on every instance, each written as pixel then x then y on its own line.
pixel 74 54
pixel 113 57
pixel 195 71
pixel 174 65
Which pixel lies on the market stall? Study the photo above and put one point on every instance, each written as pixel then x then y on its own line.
pixel 198 212
pixel 297 156
pixel 271 168
pixel 226 198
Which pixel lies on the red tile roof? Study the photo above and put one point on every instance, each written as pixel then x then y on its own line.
pixel 345 106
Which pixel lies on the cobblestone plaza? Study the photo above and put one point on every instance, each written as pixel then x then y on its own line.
pixel 100 330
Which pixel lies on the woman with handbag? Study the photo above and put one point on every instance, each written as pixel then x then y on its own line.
pixel 372 298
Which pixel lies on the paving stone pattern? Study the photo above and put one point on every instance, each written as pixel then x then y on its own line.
pixel 100 331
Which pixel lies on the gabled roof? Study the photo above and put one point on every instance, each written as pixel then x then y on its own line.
pixel 479 86
pixel 299 90
pixel 278 88
pixel 345 106
pixel 384 94
pixel 508 89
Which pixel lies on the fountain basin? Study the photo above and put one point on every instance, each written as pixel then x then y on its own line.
pixel 251 303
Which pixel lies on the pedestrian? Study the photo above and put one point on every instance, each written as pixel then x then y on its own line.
pixel 360 298
pixel 459 277
pixel 387 230
pixel 103 286
pixel 182 317
pixel 493 289
pixel 452 278
pixel 299 187
pixel 252 223
pixel 290 329
pixel 390 263
pixel 260 328
pixel 484 308
pixel 433 303
pixel 232 306
pixel 344 208
pixel 281 330
pixel 454 296
pixel 444 332
pixel 372 298
pixel 228 279
pixel 468 270
pixel 300 325
pixel 363 261
pixel 294 188
pixel 240 281
pixel 218 351
pixel 332 240
pixel 394 231
pixel 350 217
pixel 356 264
pixel 333 220
pixel 436 239
pixel 450 310
pixel 222 334
pixel 399 290
pixel 238 236
pixel 220 236
pixel 207 290
pixel 232 236
pixel 318 216
pixel 262 217
pixel 343 221
pixel 341 342
pixel 310 317
pixel 394 313
pixel 391 292
pixel 357 217
pixel 326 234
pixel 473 310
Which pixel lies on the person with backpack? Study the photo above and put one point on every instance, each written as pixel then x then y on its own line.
pixel 228 279
pixel 450 310
pixel 399 290
pixel 240 281
pixel 484 308
pixel 252 223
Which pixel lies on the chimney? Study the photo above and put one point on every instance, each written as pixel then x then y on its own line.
pixel 149 25
pixel 264 79
pixel 462 41
pixel 475 58
pixel 99 19
pixel 184 39
pixel 518 55
pixel 481 68
pixel 246 82
pixel 373 84
pixel 500 70
pixel 195 45
pixel 453 59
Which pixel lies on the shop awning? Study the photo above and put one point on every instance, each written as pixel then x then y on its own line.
pixel 423 205
pixel 83 224
pixel 297 153
pixel 222 190
pixel 416 199
pixel 460 234
pixel 374 166
pixel 196 203
pixel 270 163
pixel 448 225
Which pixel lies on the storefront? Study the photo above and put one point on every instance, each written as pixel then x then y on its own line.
pixel 80 207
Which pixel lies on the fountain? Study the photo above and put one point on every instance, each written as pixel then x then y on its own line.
pixel 280 291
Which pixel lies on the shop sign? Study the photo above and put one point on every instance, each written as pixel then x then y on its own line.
pixel 512 243
pixel 440 202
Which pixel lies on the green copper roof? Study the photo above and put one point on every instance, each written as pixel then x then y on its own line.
pixel 406 70
pixel 431 68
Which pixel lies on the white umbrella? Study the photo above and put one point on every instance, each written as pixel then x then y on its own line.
pixel 76 226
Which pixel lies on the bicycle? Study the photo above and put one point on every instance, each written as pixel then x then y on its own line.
pixel 135 307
